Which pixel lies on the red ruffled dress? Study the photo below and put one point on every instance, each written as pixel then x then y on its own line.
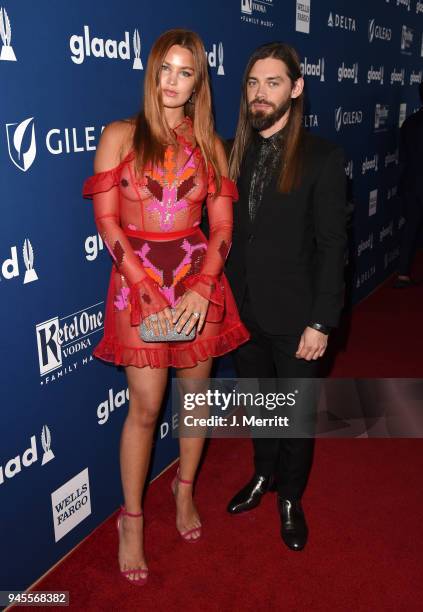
pixel 150 227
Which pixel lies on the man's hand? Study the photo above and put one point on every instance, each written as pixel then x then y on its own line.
pixel 312 344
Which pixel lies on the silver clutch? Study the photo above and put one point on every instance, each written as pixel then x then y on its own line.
pixel 172 335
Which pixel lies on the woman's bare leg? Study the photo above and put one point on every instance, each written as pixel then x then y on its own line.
pixel 146 390
pixel 189 455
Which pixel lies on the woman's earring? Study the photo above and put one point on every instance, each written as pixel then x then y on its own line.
pixel 192 98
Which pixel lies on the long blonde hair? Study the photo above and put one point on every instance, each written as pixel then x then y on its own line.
pixel 152 133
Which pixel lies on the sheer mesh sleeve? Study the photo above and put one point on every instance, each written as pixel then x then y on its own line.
pixel 207 283
pixel 145 296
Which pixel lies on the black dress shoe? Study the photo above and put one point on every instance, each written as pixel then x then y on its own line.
pixel 294 530
pixel 250 496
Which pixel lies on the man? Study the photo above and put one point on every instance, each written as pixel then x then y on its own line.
pixel 411 156
pixel 286 262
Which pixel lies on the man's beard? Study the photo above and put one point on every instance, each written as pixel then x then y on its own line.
pixel 263 121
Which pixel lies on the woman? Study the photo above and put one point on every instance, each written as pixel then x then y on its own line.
pixel 152 175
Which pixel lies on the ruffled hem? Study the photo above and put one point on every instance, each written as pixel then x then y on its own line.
pixel 212 289
pixel 145 300
pixel 104 181
pixel 186 356
pixel 228 188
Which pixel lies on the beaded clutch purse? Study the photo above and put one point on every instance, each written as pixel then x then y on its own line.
pixel 172 335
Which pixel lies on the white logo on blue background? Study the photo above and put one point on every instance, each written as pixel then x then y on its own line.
pixel 7 53
pixel 21 154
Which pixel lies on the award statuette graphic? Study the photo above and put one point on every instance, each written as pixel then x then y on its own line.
pixel 7 52
pixel 46 444
pixel 220 70
pixel 15 138
pixel 137 51
pixel 28 255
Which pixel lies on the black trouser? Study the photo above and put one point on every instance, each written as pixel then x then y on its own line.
pixel 413 213
pixel 269 356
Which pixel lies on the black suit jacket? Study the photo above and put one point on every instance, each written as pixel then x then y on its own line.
pixel 411 154
pixel 292 256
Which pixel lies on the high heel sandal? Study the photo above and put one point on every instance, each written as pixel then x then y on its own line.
pixel 141 572
pixel 185 533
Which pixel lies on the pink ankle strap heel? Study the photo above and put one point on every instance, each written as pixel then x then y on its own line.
pixel 141 573
pixel 184 535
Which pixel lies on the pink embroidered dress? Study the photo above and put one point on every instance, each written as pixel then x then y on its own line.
pixel 150 227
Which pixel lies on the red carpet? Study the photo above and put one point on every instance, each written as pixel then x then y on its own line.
pixel 364 505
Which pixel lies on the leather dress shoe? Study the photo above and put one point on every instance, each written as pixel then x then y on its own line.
pixel 250 496
pixel 294 530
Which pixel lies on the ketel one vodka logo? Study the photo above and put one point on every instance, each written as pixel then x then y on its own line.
pixel 62 339
pixel 14 465
pixel 7 52
pixel 211 58
pixel 84 46
pixel 10 266
pixel 21 143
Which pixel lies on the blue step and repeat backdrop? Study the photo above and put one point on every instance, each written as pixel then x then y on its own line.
pixel 66 70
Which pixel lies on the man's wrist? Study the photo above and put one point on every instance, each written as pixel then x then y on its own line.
pixel 324 329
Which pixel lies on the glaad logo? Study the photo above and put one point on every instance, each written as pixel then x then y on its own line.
pixel 402 113
pixel 376 31
pixel 398 76
pixel 302 16
pixel 381 117
pixel 58 340
pixel 7 54
pixel 17 133
pixel 405 3
pixel 345 72
pixel 392 158
pixel 419 7
pixel 347 118
pixel 370 164
pixel 71 504
pixel 365 276
pixel 10 266
pixel 114 401
pixel 375 75
pixel 372 202
pixel 83 46
pixel 29 456
pixel 211 58
pixel 317 69
pixel 407 35
pixel 93 245
pixel 386 231
pixel 311 120
pixel 342 22
pixel 349 167
pixel 415 77
pixel 391 256
pixel 365 244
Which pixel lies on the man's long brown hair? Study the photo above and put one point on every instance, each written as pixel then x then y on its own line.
pixel 290 167
pixel 152 133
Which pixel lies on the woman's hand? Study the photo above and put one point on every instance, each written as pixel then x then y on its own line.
pixel 159 319
pixel 192 308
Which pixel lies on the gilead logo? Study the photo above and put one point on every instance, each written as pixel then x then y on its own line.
pixel 30 456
